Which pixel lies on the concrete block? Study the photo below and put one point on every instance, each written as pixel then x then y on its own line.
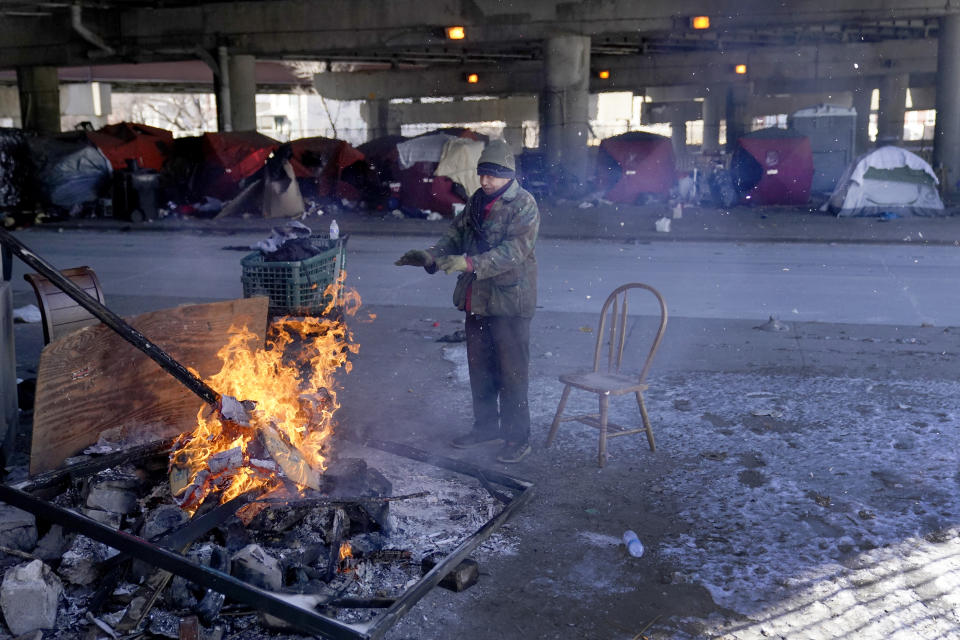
pixel 116 494
pixel 461 578
pixel 161 520
pixel 83 561
pixel 255 566
pixel 29 596
pixel 52 545
pixel 106 518
pixel 18 529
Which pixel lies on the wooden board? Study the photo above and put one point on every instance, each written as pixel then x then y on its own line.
pixel 93 380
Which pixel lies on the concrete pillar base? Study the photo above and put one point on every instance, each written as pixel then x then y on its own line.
pixel 893 108
pixel 712 108
pixel 243 92
pixel 738 118
pixel 946 138
pixel 39 99
pixel 565 109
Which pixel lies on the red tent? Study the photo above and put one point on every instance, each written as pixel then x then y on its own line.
pixel 324 160
pixel 231 157
pixel 420 189
pixel 773 166
pixel 635 163
pixel 149 146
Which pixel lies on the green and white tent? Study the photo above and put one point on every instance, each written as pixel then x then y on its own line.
pixel 886 180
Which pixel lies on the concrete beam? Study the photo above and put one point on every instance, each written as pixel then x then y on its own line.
pixel 774 70
pixel 520 79
pixel 511 110
pixel 360 29
pixel 671 112
pixel 819 63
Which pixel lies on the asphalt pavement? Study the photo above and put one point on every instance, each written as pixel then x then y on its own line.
pixel 799 476
pixel 608 221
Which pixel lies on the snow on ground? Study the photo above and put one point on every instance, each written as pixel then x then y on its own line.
pixel 813 506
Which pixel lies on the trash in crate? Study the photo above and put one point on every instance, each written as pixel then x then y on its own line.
pixel 294 268
pixel 290 243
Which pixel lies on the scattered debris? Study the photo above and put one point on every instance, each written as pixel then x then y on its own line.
pixel 29 597
pixel 773 324
pixel 28 314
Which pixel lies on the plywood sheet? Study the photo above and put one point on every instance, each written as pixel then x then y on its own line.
pixel 93 380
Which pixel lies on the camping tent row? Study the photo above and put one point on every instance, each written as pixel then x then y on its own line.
pixel 77 168
pixel 437 171
pixel 431 172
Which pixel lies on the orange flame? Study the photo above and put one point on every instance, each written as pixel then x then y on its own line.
pixel 292 382
pixel 346 551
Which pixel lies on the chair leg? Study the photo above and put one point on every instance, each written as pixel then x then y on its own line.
pixel 646 421
pixel 604 409
pixel 556 419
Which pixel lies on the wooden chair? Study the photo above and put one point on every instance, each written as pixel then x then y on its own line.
pixel 611 382
pixel 58 311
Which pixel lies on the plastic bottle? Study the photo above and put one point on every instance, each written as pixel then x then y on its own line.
pixel 334 230
pixel 634 546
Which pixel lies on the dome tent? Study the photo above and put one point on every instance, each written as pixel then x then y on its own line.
pixel 773 166
pixel 633 164
pixel 886 180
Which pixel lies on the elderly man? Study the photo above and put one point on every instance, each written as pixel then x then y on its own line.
pixel 491 244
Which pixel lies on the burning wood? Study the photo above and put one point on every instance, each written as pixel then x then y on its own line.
pixel 290 384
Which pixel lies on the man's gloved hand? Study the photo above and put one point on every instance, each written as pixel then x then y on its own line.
pixel 449 264
pixel 415 258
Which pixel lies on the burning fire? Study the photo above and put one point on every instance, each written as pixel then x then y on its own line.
pixel 345 564
pixel 291 381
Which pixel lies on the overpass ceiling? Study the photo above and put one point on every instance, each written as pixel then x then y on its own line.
pixel 155 30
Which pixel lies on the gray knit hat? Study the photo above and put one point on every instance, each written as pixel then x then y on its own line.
pixel 497 160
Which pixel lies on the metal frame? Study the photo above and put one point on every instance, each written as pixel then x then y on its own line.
pixel 267 602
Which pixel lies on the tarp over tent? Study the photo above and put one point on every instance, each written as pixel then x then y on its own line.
pixel 773 166
pixel 886 180
pixel 229 158
pixel 458 161
pixel 148 146
pixel 69 170
pixel 332 164
pixel 633 164
pixel 418 159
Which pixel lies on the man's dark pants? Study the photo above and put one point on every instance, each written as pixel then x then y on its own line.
pixel 498 354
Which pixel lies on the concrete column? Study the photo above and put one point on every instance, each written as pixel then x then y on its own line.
pixel 565 105
pixel 893 107
pixel 738 113
pixel 862 95
pixel 39 99
pixel 946 137
pixel 380 119
pixel 712 108
pixel 243 92
pixel 221 87
pixel 678 136
pixel 513 134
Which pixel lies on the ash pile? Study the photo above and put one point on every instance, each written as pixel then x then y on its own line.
pixel 346 551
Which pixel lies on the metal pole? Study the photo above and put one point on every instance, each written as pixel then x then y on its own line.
pixel 112 320
pixel 176 564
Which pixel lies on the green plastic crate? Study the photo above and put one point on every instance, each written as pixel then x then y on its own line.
pixel 294 288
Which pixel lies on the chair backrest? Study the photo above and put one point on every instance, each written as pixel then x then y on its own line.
pixel 616 306
pixel 59 312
